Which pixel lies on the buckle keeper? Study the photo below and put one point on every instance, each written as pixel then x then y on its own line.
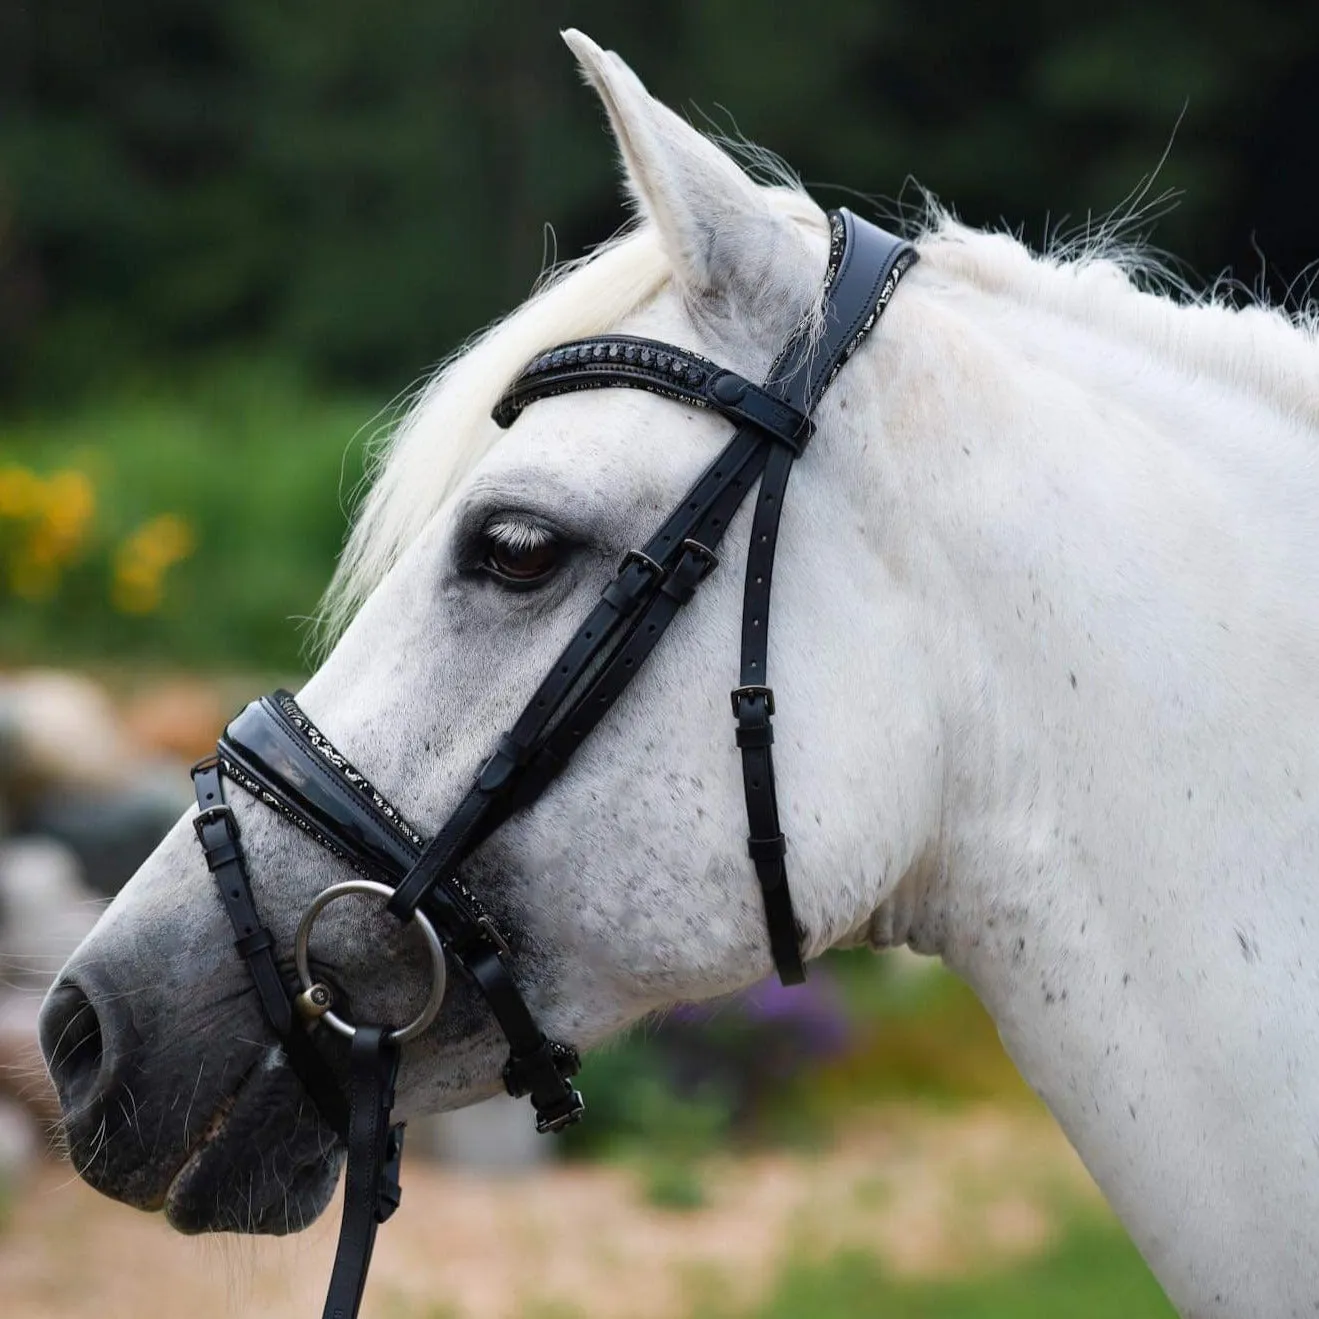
pixel 767 849
pixel 738 694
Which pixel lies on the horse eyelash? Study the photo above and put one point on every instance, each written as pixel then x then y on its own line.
pixel 516 535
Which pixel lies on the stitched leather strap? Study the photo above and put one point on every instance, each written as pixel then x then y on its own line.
pixel 217 831
pixel 653 583
pixel 614 360
pixel 274 750
pixel 865 265
pixel 640 577
pixel 371 1186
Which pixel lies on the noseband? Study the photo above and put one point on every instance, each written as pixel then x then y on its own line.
pixel 275 753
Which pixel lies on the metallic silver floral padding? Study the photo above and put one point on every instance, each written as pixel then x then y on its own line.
pixel 314 738
pixel 900 267
pixel 903 264
pixel 324 747
pixel 237 774
pixel 837 238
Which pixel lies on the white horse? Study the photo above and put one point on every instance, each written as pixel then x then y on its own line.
pixel 1046 639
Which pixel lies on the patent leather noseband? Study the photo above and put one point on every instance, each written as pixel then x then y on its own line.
pixel 275 753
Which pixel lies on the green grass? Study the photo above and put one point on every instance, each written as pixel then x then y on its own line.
pixel 257 463
pixel 1094 1272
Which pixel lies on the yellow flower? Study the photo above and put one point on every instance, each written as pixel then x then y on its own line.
pixel 67 506
pixel 136 595
pixel 142 560
pixel 20 492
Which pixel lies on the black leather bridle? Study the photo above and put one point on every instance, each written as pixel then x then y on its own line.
pixel 273 751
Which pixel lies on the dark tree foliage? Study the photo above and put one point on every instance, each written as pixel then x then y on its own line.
pixel 356 187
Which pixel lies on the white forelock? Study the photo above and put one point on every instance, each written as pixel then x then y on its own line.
pixel 448 430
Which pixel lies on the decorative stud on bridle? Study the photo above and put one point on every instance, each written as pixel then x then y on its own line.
pixel 275 753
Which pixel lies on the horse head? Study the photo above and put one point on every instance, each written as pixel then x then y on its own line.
pixel 625 886
pixel 1043 665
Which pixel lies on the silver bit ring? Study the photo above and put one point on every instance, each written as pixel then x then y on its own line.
pixel 439 970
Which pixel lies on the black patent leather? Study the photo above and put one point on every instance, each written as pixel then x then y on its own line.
pixel 259 745
pixel 611 361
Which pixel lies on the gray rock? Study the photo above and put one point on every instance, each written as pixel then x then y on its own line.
pixel 111 830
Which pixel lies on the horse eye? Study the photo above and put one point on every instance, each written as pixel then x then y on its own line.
pixel 521 561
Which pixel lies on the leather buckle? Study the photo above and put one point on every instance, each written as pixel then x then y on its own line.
pixel 220 811
pixel 750 693
pixel 710 560
pixel 563 1114
pixel 644 559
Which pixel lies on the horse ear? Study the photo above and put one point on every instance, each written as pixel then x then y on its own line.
pixel 717 226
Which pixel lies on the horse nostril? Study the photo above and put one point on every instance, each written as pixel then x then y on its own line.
pixel 70 1031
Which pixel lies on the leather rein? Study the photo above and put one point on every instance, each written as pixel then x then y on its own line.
pixel 275 753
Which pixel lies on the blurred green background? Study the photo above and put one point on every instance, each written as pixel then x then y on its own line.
pixel 235 236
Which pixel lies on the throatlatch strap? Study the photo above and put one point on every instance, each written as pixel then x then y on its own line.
pixel 865 265
pixel 371 1187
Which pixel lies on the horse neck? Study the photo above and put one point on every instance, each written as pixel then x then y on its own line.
pixel 1127 868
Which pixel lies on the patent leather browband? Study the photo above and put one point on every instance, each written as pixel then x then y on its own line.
pixel 619 360
pixel 275 753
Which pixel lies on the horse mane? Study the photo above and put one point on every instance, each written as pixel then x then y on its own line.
pixel 1097 280
pixel 1118 289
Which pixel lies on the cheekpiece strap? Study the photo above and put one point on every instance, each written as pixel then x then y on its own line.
pixel 279 756
pixel 774 424
pixel 217 831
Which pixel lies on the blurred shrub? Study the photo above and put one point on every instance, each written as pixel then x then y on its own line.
pixel 365 188
pixel 44 526
pixel 637 1106
pixel 195 523
pixel 51 545
pixel 918 1033
pixel 782 1066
